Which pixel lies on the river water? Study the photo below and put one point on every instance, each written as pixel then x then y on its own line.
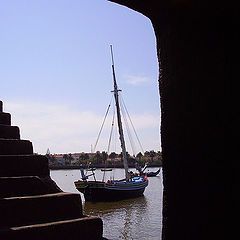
pixel 132 219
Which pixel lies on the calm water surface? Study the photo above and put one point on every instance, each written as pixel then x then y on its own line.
pixel 133 219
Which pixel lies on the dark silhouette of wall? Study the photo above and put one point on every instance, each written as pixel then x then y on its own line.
pixel 192 69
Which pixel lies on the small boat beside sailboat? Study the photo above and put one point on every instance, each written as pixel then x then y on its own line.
pixel 133 185
pixel 148 174
pixel 106 169
pixel 153 174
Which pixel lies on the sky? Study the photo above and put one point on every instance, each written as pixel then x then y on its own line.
pixel 56 75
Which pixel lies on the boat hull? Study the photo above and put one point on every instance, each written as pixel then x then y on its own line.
pixel 153 174
pixel 100 191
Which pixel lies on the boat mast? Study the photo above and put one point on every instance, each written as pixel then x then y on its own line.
pixel 120 128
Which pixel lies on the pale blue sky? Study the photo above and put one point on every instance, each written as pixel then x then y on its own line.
pixel 55 65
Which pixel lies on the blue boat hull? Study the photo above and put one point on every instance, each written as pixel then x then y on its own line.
pixel 98 191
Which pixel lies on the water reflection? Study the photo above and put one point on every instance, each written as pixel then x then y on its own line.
pixel 99 208
pixel 123 218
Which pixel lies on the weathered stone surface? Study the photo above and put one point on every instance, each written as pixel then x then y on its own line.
pixel 5 118
pixel 15 147
pixel 26 186
pixel 74 229
pixel 9 132
pixel 24 165
pixel 20 211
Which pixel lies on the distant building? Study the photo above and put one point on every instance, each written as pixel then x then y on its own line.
pixel 117 159
pixel 59 158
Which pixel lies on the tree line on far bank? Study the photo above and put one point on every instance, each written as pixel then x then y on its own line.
pixel 102 158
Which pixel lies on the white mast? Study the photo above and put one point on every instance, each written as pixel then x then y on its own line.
pixel 120 128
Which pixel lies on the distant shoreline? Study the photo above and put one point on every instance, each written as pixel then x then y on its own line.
pixel 96 166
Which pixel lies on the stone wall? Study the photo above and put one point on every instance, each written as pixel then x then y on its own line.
pixel 32 206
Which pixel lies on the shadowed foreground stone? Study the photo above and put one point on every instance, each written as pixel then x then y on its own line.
pixel 15 147
pixel 32 206
pixel 26 186
pixel 69 229
pixel 9 132
pixel 15 165
pixel 5 118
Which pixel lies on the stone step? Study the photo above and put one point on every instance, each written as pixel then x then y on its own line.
pixel 15 147
pixel 85 228
pixel 26 186
pixel 5 118
pixel 1 106
pixel 24 165
pixel 28 210
pixel 9 132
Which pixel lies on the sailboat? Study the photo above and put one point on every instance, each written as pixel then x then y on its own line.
pixel 112 190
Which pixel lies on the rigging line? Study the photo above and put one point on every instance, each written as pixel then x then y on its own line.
pixel 102 125
pixel 109 142
pixel 127 128
pixel 132 125
pixel 114 147
pixel 110 137
pixel 115 139
pixel 129 135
